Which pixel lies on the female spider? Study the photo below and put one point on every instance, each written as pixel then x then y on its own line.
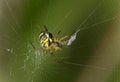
pixel 51 43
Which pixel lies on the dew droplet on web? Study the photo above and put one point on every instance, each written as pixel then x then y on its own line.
pixel 9 50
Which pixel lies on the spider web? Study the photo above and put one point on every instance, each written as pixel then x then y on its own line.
pixel 33 60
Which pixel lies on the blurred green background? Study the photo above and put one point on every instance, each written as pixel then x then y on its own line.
pixel 93 57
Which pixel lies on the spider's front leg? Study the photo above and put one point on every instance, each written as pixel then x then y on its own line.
pixel 63 38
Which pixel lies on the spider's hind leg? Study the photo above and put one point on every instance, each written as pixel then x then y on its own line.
pixel 35 49
pixel 32 45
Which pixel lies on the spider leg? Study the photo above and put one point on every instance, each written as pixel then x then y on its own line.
pixel 32 45
pixel 64 43
pixel 63 38
pixel 45 27
pixel 59 32
pixel 35 49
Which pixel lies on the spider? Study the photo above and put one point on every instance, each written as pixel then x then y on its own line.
pixel 51 43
